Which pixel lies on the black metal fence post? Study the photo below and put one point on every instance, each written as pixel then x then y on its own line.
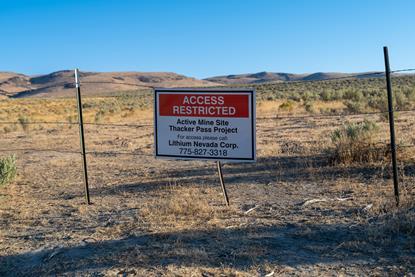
pixel 81 135
pixel 391 124
pixel 222 183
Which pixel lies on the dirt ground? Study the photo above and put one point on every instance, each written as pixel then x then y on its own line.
pixel 291 213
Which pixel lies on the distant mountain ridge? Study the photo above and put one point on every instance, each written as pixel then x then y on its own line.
pixel 265 77
pixel 61 83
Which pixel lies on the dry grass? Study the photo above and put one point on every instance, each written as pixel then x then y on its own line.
pixel 108 109
pixel 155 217
pixel 184 207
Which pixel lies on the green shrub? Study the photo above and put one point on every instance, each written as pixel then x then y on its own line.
pixel 87 105
pixel 330 94
pixel 378 102
pixel 287 106
pixel 309 96
pixel 24 122
pixel 355 142
pixel 401 101
pixel 355 106
pixel 295 96
pixel 99 115
pixel 410 94
pixel 7 169
pixel 71 120
pixel 309 107
pixel 354 95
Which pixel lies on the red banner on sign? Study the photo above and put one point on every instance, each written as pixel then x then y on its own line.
pixel 204 105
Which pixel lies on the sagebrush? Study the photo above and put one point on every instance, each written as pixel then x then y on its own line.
pixel 356 142
pixel 8 169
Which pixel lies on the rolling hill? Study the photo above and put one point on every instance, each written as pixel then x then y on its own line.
pixel 266 77
pixel 61 83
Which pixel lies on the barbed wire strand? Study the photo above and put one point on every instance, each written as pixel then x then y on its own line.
pixel 39 150
pixel 114 153
pixel 30 90
pixel 120 124
pixel 360 76
pixel 332 115
pixel 74 123
pixel 150 125
pixel 403 70
pixel 115 83
pixel 109 153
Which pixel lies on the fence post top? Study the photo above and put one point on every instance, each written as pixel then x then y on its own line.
pixel 77 77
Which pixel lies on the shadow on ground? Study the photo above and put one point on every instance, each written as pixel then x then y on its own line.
pixel 293 245
pixel 265 170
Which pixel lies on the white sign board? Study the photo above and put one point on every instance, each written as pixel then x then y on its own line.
pixel 205 124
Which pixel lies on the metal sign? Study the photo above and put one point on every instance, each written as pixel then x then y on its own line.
pixel 205 124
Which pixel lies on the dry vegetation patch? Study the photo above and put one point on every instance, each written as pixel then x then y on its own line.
pixel 184 207
pixel 294 211
pixel 357 142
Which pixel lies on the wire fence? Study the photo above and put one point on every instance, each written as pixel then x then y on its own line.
pixel 142 152
pixel 375 74
pixel 317 116
pixel 333 118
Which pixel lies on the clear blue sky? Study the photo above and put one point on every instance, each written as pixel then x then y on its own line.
pixel 203 38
